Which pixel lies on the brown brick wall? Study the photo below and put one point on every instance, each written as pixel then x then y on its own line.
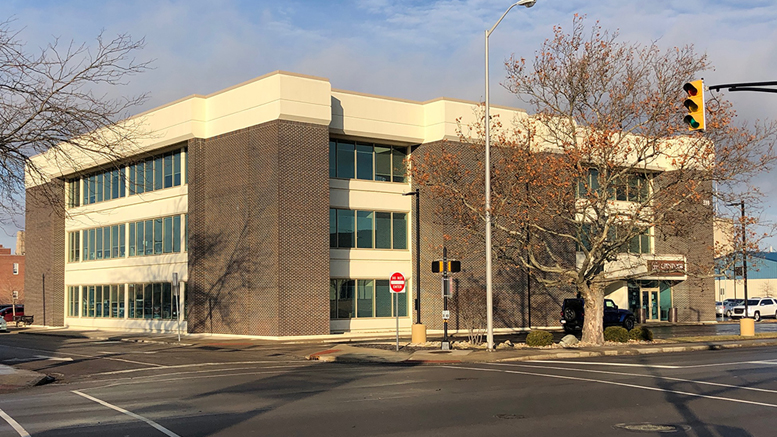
pixel 8 281
pixel 258 211
pixel 45 255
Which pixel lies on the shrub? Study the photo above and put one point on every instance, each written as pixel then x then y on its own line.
pixel 617 334
pixel 539 338
pixel 641 334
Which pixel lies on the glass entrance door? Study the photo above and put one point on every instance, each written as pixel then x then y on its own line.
pixel 650 303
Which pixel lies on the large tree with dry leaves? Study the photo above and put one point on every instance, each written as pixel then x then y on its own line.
pixel 58 96
pixel 602 168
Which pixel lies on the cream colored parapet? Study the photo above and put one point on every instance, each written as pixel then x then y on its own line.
pixel 275 96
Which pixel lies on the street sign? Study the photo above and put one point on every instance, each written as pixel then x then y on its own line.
pixel 397 282
pixel 15 294
pixel 446 315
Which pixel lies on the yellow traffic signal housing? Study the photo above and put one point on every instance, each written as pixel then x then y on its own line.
pixel 694 103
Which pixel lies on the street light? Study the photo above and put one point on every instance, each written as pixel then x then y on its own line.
pixel 489 290
pixel 744 329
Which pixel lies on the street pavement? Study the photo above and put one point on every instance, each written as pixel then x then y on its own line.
pixel 707 393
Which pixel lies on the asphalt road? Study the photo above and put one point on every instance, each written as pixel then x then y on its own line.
pixel 149 390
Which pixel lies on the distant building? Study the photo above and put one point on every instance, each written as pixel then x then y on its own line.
pixel 11 275
pixel 20 242
pixel 761 277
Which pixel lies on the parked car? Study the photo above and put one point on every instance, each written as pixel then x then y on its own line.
pixel 7 313
pixel 3 325
pixel 757 308
pixel 726 307
pixel 572 315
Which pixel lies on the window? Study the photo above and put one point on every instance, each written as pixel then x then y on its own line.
pixel 99 301
pixel 99 243
pixel 153 301
pixel 634 187
pixel 642 243
pixel 365 161
pixel 156 172
pixel 74 246
pixel 99 187
pixel 367 229
pixel 155 236
pixel 73 193
pixel 364 298
pixel 15 268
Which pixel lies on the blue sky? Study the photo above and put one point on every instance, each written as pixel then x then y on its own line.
pixel 409 49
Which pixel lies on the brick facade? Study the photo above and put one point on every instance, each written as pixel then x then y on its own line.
pixel 45 253
pixel 10 281
pixel 258 211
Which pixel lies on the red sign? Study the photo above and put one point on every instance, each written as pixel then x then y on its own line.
pixel 397 282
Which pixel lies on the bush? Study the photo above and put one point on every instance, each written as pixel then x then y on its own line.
pixel 617 334
pixel 539 338
pixel 641 334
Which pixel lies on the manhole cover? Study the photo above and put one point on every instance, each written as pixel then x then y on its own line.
pixel 509 416
pixel 651 427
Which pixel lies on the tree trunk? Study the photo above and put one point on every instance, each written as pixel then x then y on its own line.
pixel 593 327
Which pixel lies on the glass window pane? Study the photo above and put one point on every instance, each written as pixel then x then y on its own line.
pixel 122 240
pixel 364 230
pixel 157 301
pixel 402 304
pixel 131 301
pixel 148 306
pixel 115 184
pixel 158 236
pixel 159 175
pixel 140 180
pixel 91 244
pixel 332 227
pixel 177 234
pixel 364 161
pixel 177 168
pixel 345 228
pixel 383 230
pixel 168 181
pixel 107 242
pixel 115 241
pixel 364 296
pixel 149 173
pixel 345 299
pixel 383 299
pixel 98 243
pixel 122 181
pixel 98 187
pixel 108 185
pixel 167 299
pixel 645 244
pixel 345 160
pixel 115 300
pixel 132 179
pixel 332 159
pixel 398 163
pixel 98 301
pixel 333 298
pixel 148 242
pixel 91 301
pixel 168 235
pixel 382 163
pixel 400 230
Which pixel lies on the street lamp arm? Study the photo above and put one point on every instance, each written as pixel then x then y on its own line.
pixel 527 3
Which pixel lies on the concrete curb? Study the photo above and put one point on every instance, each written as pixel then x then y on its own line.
pixel 337 355
pixel 12 379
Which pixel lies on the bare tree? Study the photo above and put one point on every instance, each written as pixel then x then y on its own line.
pixel 604 168
pixel 57 98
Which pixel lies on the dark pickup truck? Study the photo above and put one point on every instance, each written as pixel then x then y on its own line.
pixel 572 315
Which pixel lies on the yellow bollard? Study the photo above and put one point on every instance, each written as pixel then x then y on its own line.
pixel 747 327
pixel 419 334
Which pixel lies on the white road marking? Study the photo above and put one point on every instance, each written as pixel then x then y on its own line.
pixel 668 378
pixel 657 366
pixel 128 413
pixel 37 358
pixel 14 424
pixel 183 366
pixel 620 384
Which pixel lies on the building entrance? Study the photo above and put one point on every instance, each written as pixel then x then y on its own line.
pixel 650 300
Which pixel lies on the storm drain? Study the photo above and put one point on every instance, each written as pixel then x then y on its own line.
pixel 651 427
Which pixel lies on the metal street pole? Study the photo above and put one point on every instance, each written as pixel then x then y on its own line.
pixel 744 254
pixel 489 288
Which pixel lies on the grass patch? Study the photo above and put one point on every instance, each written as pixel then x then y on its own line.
pixel 706 338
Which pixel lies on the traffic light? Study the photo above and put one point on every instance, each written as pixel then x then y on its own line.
pixel 694 103
pixel 451 266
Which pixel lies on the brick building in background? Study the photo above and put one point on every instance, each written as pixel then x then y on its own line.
pixel 279 205
pixel 11 275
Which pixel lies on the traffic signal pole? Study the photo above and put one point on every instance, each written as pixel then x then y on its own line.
pixel 747 86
